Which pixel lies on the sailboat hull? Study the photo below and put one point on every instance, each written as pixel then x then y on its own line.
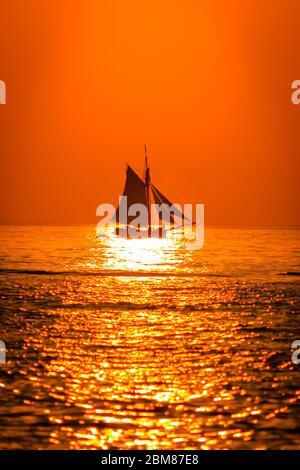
pixel 145 232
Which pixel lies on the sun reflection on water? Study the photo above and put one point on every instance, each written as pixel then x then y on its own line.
pixel 146 254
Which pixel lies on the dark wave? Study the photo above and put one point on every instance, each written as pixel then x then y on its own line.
pixel 110 273
pixel 290 273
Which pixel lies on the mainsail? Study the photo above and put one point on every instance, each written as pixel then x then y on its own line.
pixel 144 192
pixel 136 193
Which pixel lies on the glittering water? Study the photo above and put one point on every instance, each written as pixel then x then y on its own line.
pixel 145 345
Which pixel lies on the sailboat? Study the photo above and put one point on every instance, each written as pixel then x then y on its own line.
pixel 142 191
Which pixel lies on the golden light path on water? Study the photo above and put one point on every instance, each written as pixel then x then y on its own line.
pixel 146 254
pixel 120 344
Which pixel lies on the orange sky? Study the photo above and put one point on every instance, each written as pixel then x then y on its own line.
pixel 206 84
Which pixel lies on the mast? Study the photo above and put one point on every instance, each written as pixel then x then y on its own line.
pixel 147 183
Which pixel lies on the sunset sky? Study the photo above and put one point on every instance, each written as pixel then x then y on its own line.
pixel 206 84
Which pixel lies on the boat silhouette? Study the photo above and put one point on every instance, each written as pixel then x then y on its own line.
pixel 162 214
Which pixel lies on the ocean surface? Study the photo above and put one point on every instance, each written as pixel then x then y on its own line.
pixel 143 344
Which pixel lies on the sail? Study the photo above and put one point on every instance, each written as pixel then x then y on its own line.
pixel 159 198
pixel 164 215
pixel 135 191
